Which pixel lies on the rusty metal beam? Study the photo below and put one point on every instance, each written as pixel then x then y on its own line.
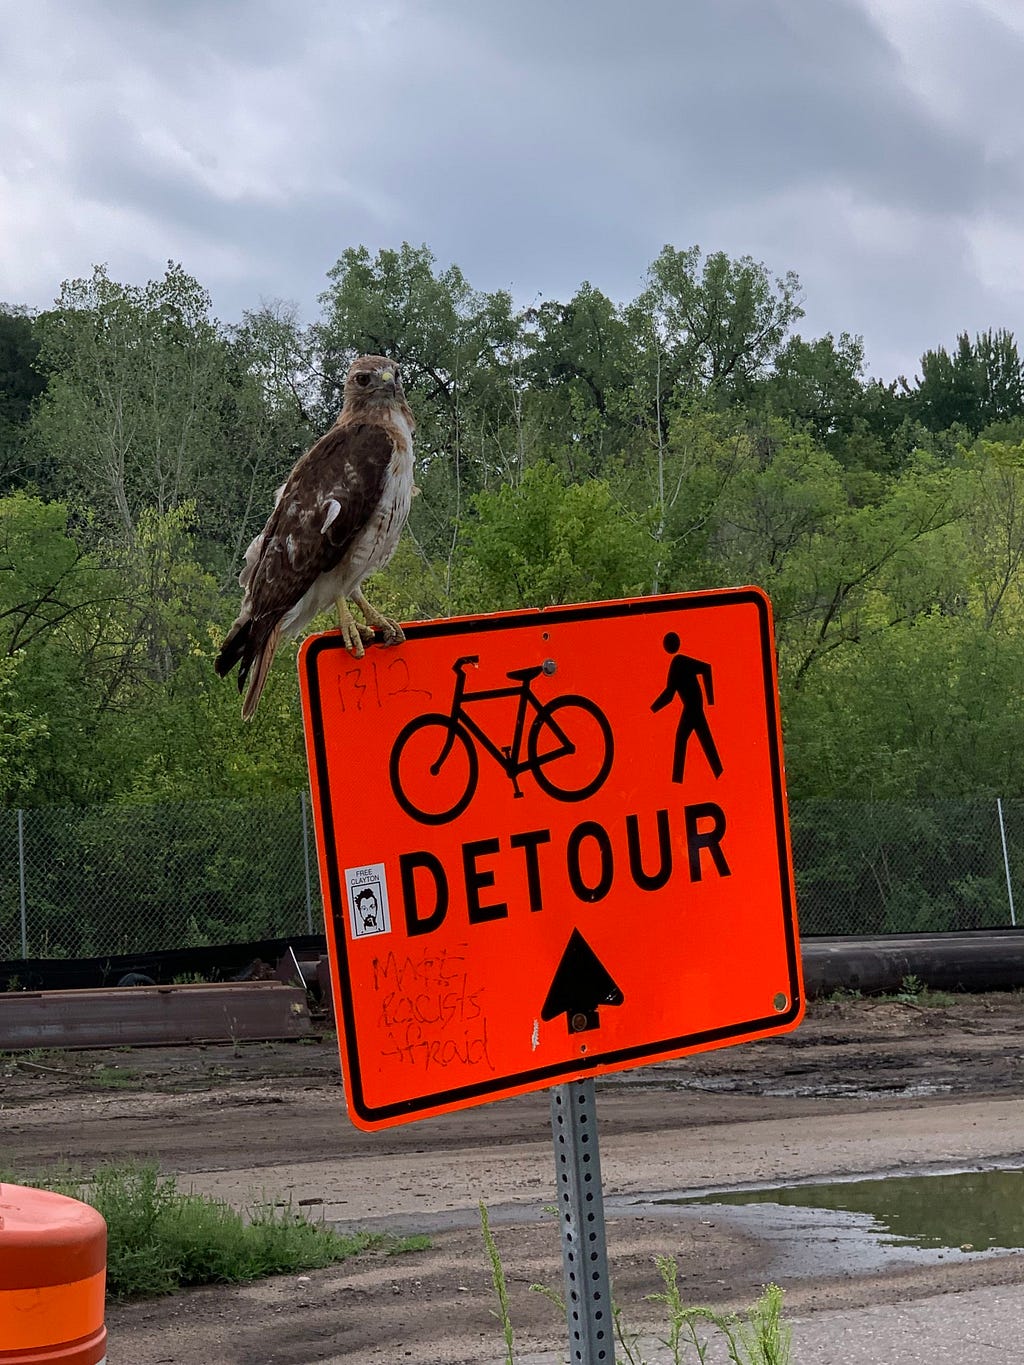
pixel 248 1011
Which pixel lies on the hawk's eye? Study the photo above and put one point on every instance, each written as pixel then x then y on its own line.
pixel 362 379
pixel 398 375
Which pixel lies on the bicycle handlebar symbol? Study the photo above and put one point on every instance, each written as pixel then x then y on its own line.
pixel 435 767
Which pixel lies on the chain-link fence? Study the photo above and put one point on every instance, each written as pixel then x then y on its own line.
pixel 130 879
pixel 895 868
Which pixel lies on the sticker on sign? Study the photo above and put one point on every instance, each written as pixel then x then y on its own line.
pixel 552 844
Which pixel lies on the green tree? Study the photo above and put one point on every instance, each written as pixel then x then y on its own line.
pixel 819 383
pixel 20 731
pixel 130 410
pixel 820 386
pixel 55 605
pixel 670 485
pixel 21 383
pixel 748 501
pixel 837 572
pixel 546 541
pixel 580 367
pixel 107 689
pixel 930 708
pixel 993 533
pixel 151 404
pixel 719 322
pixel 980 383
pixel 46 580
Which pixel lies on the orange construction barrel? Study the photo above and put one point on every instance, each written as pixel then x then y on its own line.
pixel 53 1270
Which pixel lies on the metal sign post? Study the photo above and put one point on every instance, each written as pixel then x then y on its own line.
pixel 588 1300
pixel 553 845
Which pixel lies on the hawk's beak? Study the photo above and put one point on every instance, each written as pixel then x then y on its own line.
pixel 387 377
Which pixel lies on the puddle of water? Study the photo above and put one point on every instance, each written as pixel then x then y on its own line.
pixel 971 1210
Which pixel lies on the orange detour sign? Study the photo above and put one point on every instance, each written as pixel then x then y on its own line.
pixel 552 844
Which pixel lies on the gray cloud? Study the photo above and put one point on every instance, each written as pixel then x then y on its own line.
pixel 872 145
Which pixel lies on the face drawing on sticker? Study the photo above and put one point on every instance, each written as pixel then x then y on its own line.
pixel 366 908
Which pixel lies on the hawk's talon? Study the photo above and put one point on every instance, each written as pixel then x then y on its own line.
pixel 391 631
pixel 351 631
pixel 353 643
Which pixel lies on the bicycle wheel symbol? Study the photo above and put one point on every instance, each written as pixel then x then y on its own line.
pixel 435 758
pixel 434 765
pixel 561 753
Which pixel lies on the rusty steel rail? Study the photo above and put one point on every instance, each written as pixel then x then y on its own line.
pixel 139 1016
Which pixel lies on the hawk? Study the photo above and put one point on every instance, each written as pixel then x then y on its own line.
pixel 337 518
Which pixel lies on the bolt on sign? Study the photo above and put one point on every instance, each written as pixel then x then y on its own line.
pixel 553 844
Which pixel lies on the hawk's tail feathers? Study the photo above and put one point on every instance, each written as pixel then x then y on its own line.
pixel 236 648
pixel 252 651
pixel 260 664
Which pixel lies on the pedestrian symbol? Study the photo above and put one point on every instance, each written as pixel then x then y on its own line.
pixel 690 681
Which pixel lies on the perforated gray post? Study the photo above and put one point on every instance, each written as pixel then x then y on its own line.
pixel 588 1301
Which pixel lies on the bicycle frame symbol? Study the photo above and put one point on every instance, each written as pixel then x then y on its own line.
pixel 435 766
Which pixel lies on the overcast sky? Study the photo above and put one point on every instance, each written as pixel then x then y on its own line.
pixel 876 147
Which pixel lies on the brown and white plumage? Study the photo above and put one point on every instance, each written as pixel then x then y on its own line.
pixel 337 518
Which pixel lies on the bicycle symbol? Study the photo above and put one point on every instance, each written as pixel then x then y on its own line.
pixel 435 766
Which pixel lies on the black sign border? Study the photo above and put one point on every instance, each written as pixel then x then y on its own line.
pixel 499 1087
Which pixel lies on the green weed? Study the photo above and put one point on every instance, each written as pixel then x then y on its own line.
pixel 914 991
pixel 114 1078
pixel 504 1314
pixel 758 1336
pixel 160 1240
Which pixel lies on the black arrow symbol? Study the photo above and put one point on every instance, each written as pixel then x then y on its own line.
pixel 581 984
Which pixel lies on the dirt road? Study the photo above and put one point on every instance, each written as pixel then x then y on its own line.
pixel 862 1087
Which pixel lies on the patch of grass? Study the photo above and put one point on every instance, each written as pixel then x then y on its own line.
pixel 914 991
pixel 40 1056
pixel 936 999
pixel 114 1078
pixel 160 1240
pixel 842 993
pixel 43 1060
